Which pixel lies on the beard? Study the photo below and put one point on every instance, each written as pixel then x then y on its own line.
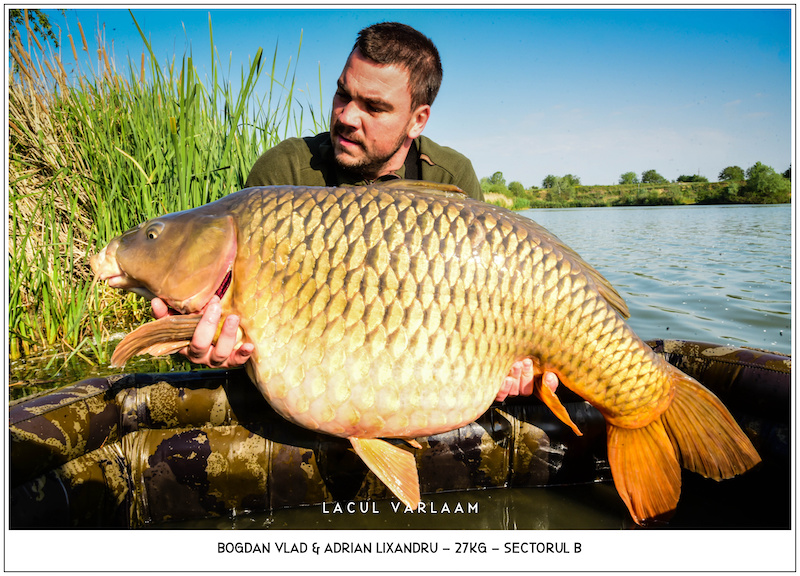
pixel 370 165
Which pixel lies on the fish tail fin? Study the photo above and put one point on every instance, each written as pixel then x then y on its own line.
pixel 695 431
pixel 162 336
pixel 395 467
pixel 706 438
pixel 645 470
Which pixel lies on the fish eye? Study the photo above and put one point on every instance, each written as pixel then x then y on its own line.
pixel 153 230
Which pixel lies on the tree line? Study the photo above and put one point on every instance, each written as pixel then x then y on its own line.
pixel 759 184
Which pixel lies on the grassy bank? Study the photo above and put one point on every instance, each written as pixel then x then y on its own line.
pixel 99 150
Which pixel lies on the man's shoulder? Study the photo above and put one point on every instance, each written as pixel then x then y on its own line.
pixel 298 161
pixel 440 154
pixel 305 146
pixel 444 164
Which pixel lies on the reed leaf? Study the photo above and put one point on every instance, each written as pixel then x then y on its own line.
pixel 97 151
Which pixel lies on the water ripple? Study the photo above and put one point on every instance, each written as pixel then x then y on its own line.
pixel 712 273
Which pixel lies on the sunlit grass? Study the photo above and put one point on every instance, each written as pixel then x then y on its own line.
pixel 94 152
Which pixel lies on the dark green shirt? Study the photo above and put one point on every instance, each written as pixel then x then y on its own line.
pixel 310 162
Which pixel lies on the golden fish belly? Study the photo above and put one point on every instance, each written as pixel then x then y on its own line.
pixel 398 315
pixel 381 396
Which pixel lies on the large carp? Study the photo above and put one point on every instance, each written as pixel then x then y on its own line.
pixel 395 310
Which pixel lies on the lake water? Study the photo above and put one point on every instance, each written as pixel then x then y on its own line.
pixel 711 273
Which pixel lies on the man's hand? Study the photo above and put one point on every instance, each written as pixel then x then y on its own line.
pixel 201 350
pixel 519 381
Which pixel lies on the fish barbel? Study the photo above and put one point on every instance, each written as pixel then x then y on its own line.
pixel 395 310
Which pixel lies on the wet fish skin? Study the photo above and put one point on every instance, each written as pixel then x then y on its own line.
pixel 415 293
pixel 395 310
pixel 357 334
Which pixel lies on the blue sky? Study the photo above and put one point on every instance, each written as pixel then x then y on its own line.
pixel 592 92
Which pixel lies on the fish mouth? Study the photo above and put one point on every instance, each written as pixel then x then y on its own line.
pixel 119 281
pixel 124 282
pixel 105 266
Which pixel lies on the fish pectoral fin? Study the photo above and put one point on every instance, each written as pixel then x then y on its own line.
pixel 158 337
pixel 645 470
pixel 554 403
pixel 395 467
pixel 705 436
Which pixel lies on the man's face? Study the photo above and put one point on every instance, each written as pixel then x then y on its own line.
pixel 372 123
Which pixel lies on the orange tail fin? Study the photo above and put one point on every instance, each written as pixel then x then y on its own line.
pixel 645 470
pixel 706 438
pixel 696 431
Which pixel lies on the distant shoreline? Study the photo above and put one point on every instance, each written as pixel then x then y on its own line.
pixel 670 194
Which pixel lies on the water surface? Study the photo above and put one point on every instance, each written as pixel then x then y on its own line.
pixel 709 273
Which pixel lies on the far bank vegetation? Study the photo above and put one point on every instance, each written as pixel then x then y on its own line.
pixel 759 184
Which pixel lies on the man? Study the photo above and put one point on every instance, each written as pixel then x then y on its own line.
pixel 381 106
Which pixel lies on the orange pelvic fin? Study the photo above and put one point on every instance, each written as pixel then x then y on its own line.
pixel 552 401
pixel 645 470
pixel 162 336
pixel 164 348
pixel 395 467
pixel 705 436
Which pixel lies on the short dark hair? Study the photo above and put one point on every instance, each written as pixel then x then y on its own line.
pixel 395 43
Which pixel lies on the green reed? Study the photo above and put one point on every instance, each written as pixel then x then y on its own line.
pixel 98 151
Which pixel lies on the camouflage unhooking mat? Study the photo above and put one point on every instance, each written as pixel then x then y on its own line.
pixel 143 449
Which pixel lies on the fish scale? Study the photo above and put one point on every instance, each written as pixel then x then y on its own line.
pixel 395 310
pixel 366 268
pixel 419 281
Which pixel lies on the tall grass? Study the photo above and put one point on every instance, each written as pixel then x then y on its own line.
pixel 96 151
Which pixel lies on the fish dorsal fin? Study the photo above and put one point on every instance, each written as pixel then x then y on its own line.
pixel 422 186
pixel 608 292
pixel 604 287
pixel 395 467
pixel 162 336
